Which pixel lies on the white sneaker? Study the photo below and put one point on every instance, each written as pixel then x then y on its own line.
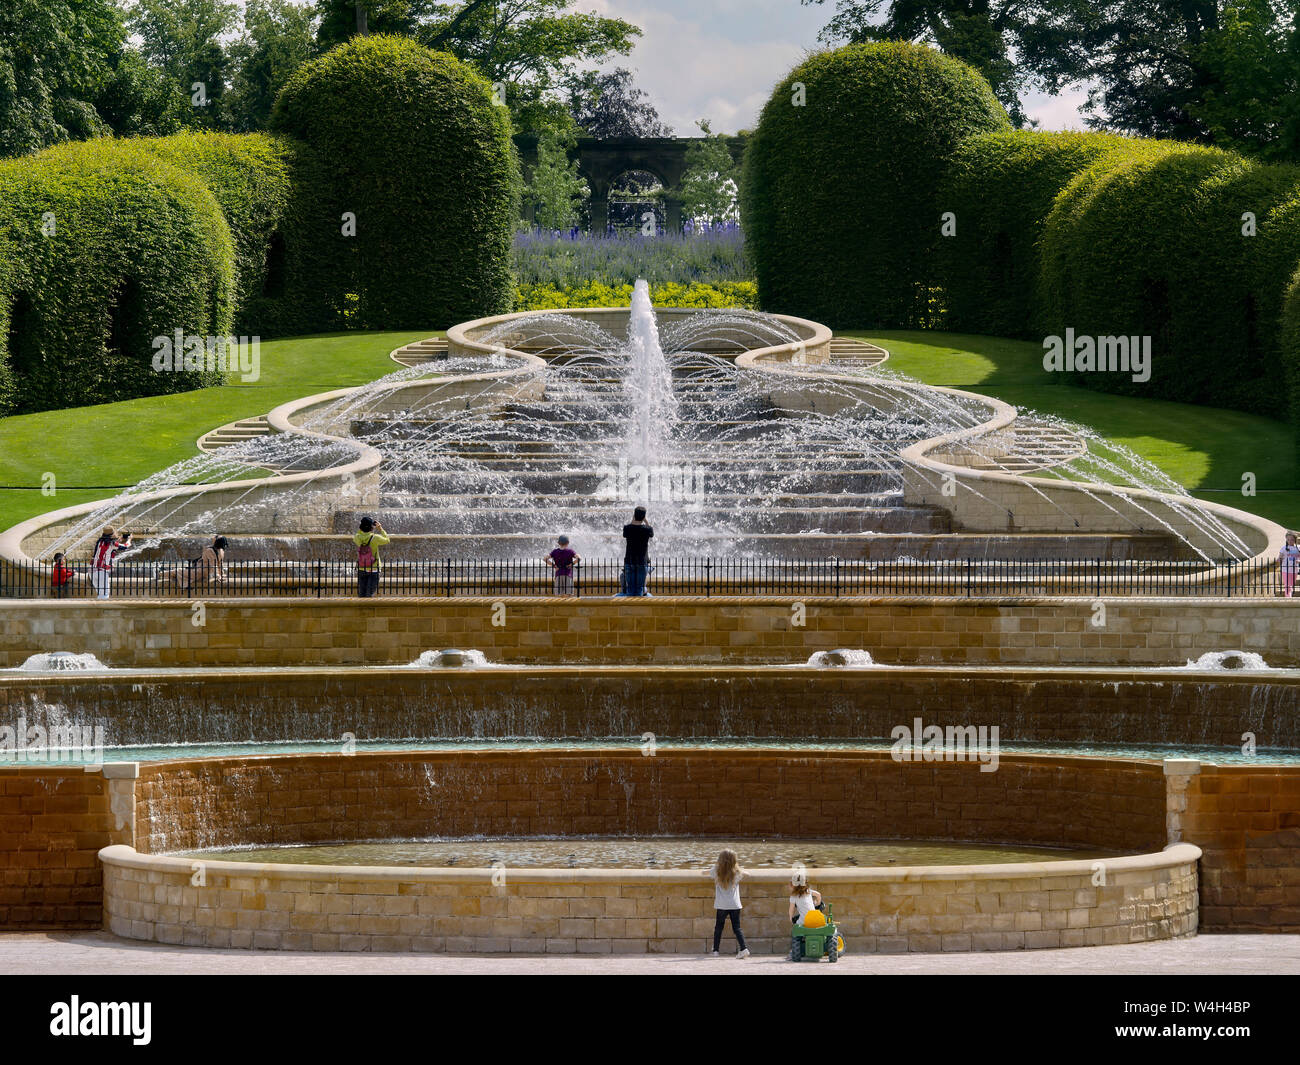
pixel 715 954
pixel 743 953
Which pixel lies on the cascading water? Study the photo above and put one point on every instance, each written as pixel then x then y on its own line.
pixel 727 464
pixel 1215 660
pixel 62 662
pixel 843 658
pixel 648 385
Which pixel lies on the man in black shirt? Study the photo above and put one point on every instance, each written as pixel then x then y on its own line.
pixel 635 560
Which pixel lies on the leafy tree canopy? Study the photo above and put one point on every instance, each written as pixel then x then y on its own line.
pixel 1216 71
pixel 610 105
pixel 54 57
pixel 528 48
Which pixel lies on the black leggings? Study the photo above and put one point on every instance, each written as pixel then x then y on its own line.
pixel 720 920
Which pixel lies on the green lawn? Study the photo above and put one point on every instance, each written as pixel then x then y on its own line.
pixel 92 450
pixel 1206 449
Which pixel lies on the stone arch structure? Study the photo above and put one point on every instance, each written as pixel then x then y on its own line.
pixel 601 161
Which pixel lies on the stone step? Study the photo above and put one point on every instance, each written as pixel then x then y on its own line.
pixel 235 432
pixel 1086 550
pixel 740 522
pixel 741 480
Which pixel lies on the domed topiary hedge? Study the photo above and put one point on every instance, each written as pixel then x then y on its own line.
pixel 250 174
pixel 1288 365
pixel 839 193
pixel 112 247
pixel 1000 187
pixel 412 147
pixel 1154 247
pixel 8 269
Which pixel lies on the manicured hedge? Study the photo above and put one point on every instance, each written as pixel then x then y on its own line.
pixel 1288 378
pixel 1153 246
pixel 139 250
pixel 8 270
pixel 250 176
pixel 410 142
pixel 1000 187
pixel 840 196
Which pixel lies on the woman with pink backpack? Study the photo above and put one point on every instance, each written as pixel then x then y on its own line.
pixel 369 540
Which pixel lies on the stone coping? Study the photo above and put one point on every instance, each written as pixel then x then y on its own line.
pixel 813 335
pixel 882 672
pixel 1174 855
pixel 561 753
pixel 624 603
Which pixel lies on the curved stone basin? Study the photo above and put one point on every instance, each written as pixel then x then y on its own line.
pixel 1117 805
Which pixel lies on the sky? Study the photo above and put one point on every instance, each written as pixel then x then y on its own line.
pixel 719 59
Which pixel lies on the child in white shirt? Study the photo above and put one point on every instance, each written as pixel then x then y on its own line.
pixel 726 876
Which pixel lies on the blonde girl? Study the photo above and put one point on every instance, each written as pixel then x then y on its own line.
pixel 726 876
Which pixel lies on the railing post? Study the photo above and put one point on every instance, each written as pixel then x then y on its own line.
pixel 577 579
pixel 317 571
pixel 969 564
pixel 708 578
pixel 446 583
pixel 1229 578
pixel 1099 577
pixel 837 578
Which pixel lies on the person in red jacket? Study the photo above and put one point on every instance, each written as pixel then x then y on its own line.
pixel 107 547
pixel 60 576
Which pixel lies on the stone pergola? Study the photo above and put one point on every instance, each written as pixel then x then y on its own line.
pixel 601 162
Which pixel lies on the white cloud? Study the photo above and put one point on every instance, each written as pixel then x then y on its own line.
pixel 721 67
pixel 1057 112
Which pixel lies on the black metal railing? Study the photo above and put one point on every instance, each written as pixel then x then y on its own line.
pixel 811 577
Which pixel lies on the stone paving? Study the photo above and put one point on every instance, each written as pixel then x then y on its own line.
pixel 81 953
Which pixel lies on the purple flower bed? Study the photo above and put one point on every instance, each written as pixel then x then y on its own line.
pixel 571 257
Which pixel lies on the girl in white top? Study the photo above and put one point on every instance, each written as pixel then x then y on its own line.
pixel 1289 556
pixel 802 900
pixel 726 876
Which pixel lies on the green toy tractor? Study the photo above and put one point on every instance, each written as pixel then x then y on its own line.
pixel 809 944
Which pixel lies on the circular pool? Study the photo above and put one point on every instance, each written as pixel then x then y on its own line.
pixel 1076 848
pixel 655 852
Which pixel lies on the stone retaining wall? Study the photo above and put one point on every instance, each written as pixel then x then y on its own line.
pixel 1052 632
pixel 280 907
pixel 1106 804
pixel 1247 820
pixel 53 821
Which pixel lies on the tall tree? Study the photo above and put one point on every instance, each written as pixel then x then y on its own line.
pixel 1253 105
pixel 184 39
pixel 983 33
pixel 54 56
pixel 1217 71
pixel 138 100
pixel 556 189
pixel 528 49
pixel 610 105
pixel 709 183
pixel 279 36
